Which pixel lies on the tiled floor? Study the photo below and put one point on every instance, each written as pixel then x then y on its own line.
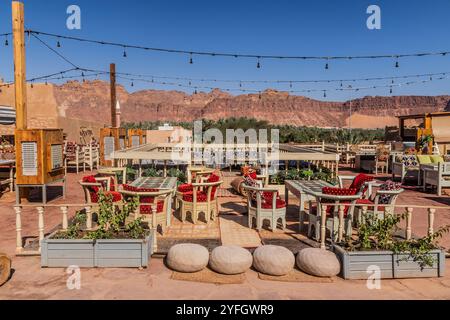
pixel 30 281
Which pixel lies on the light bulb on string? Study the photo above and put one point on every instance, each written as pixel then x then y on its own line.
pixel 397 65
pixel 290 84
pixel 6 41
pixel 58 44
pixel 191 61
pixel 132 84
pixel 327 65
pixel 258 64
pixel 324 94
pixel 124 52
pixel 390 90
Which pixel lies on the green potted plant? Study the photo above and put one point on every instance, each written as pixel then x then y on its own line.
pixel 377 244
pixel 116 240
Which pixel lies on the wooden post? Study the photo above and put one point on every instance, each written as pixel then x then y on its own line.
pixel 112 77
pixel 20 85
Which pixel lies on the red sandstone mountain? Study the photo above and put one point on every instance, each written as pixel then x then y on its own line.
pixel 90 101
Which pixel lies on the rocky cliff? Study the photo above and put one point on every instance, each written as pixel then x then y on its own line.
pixel 90 101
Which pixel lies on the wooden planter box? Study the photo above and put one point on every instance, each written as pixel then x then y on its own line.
pixel 354 264
pixel 119 253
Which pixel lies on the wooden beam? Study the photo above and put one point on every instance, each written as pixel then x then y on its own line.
pixel 20 85
pixel 112 77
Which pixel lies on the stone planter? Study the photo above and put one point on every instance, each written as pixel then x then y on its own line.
pixel 117 253
pixel 355 264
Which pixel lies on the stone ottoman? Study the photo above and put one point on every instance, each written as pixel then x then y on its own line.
pixel 273 260
pixel 318 262
pixel 187 257
pixel 230 260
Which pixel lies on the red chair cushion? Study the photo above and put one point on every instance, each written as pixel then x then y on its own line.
pixel 186 187
pixel 268 205
pixel 252 175
pixel 213 178
pixel 145 209
pixel 189 196
pixel 116 196
pixel 338 192
pixel 91 179
pixel 359 180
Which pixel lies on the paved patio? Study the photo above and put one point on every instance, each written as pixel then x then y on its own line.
pixel 29 281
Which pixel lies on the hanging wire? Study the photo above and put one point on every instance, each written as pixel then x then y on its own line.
pixel 239 55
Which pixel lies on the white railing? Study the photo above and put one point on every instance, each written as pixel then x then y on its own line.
pixel 89 209
pixel 389 209
pixel 41 222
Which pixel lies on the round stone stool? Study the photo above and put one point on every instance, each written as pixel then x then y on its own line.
pixel 187 257
pixel 318 262
pixel 230 260
pixel 273 260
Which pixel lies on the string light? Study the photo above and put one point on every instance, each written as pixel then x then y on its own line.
pixel 191 61
pixel 6 41
pixel 237 55
pixel 258 64
pixel 58 44
pixel 124 52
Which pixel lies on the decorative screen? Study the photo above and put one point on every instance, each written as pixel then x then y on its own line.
pixel 29 158
pixel 109 147
pixel 56 156
pixel 135 141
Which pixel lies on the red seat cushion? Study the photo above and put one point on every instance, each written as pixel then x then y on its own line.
pixel 145 209
pixel 186 187
pixel 91 179
pixel 268 204
pixel 116 196
pixel 359 180
pixel 189 196
pixel 252 175
pixel 338 192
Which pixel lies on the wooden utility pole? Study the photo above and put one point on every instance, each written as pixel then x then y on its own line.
pixel 112 76
pixel 20 85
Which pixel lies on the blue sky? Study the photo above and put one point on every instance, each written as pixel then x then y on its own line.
pixel 321 27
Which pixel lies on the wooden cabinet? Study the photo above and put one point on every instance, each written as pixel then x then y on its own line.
pixel 39 156
pixel 136 137
pixel 111 139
